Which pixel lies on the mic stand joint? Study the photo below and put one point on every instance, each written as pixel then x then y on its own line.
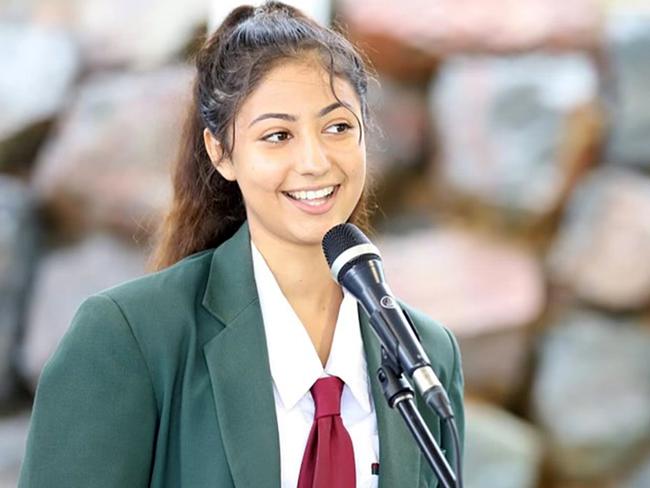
pixel 400 395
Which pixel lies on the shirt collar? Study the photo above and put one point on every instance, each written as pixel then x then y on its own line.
pixel 289 344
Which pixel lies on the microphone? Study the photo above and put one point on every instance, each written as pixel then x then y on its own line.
pixel 356 264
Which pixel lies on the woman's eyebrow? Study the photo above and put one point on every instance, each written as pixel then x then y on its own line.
pixel 293 118
pixel 333 106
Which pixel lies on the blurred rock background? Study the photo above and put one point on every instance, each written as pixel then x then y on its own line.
pixel 512 180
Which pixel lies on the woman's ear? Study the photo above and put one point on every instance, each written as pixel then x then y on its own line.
pixel 215 151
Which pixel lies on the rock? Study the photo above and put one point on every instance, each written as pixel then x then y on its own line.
pixel 400 113
pixel 628 46
pixel 13 437
pixel 398 144
pixel 640 478
pixel 407 38
pixel 589 484
pixel 487 292
pixel 604 240
pixel 139 34
pixel 108 166
pixel 515 131
pixel 591 393
pixel 39 67
pixel 96 263
pixel 18 235
pixel 500 449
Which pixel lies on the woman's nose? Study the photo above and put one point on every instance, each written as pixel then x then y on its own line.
pixel 312 158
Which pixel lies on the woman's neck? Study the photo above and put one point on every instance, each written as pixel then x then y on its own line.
pixel 304 277
pixel 301 271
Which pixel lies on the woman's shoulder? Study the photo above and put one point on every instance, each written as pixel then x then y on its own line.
pixel 158 306
pixel 179 281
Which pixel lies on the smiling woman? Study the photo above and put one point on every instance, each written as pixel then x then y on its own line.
pixel 240 362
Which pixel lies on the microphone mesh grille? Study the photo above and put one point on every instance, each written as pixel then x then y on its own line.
pixel 341 237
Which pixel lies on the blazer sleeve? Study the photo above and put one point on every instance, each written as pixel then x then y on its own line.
pixel 455 391
pixel 94 415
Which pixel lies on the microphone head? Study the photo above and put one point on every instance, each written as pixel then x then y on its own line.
pixel 343 245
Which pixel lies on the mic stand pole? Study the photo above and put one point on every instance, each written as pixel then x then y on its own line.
pixel 399 394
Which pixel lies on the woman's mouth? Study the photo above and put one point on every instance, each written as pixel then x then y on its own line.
pixel 313 201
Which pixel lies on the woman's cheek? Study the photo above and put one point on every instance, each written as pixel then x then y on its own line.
pixel 266 175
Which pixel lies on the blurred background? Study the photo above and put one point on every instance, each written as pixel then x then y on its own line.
pixel 512 180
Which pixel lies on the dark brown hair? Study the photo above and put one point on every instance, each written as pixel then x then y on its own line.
pixel 207 209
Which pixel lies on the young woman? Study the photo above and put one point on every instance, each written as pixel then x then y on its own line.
pixel 209 372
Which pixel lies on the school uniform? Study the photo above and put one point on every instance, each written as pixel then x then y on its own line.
pixel 164 381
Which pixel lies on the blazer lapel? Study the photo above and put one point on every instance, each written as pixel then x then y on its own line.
pixel 238 366
pixel 399 455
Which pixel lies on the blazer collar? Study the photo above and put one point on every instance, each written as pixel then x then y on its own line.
pixel 231 282
pixel 238 365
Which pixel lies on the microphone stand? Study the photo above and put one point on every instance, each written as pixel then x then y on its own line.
pixel 399 394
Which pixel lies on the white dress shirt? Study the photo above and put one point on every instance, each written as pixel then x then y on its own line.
pixel 295 367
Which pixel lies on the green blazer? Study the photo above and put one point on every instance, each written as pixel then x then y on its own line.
pixel 164 381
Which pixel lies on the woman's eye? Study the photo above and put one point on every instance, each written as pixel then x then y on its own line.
pixel 276 137
pixel 339 128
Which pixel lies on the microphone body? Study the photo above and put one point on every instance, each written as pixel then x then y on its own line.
pixel 365 281
pixel 357 266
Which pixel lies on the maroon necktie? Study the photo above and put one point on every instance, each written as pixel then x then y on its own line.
pixel 328 461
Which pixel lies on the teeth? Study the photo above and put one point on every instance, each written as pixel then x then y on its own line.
pixel 312 195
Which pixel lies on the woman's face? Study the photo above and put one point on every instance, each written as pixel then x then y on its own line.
pixel 298 157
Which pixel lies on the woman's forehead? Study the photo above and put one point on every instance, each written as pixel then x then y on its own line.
pixel 297 87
